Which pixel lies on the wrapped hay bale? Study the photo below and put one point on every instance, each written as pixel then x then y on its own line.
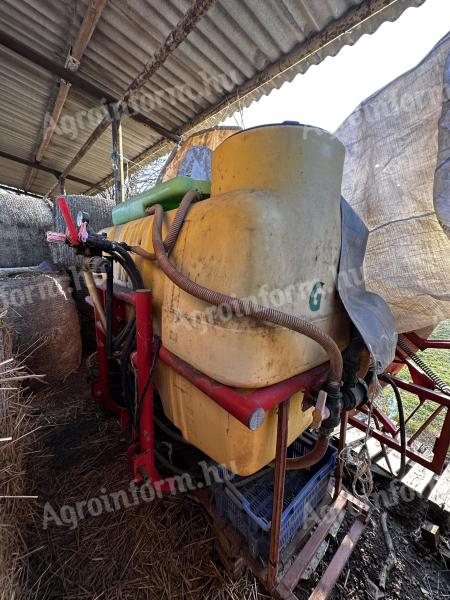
pixel 23 223
pixel 99 210
pixel 40 312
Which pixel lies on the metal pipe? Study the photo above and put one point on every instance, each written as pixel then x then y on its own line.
pixel 278 494
pixel 340 458
pixel 120 150
pixel 115 155
pixel 144 354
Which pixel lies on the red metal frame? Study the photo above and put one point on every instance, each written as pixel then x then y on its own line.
pixel 248 409
pixel 425 389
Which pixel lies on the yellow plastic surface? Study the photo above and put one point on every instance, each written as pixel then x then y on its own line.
pixel 271 231
pixel 209 427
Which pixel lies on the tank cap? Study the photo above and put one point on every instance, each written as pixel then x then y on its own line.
pixel 291 123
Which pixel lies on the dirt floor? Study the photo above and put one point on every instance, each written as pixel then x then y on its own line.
pixel 165 548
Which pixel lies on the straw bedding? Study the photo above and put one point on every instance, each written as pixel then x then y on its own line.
pixel 16 432
pixel 161 549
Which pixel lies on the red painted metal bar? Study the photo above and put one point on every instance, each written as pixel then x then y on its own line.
pixel 418 376
pixel 247 412
pixel 386 422
pixel 441 445
pixel 120 292
pixel 144 361
pixel 423 344
pixel 144 458
pixel 389 441
pixel 272 395
pixel 101 389
pixel 423 392
pixel 248 409
pixel 425 424
pixel 278 494
pixel 413 412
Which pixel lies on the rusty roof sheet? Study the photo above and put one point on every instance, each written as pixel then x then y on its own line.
pixel 238 51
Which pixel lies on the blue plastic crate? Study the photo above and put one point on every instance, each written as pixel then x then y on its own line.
pixel 247 501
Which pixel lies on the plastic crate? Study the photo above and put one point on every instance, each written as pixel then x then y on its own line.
pixel 247 501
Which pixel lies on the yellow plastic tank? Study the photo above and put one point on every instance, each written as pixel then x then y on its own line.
pixel 270 232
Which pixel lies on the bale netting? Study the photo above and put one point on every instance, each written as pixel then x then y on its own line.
pixel 24 222
pixel 99 210
pixel 41 314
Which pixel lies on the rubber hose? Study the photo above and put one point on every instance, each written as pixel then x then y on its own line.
pixel 313 457
pixel 117 341
pixel 262 313
pixel 130 267
pixel 401 422
pixel 242 307
pixel 175 228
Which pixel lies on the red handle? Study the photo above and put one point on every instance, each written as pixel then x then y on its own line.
pixel 71 229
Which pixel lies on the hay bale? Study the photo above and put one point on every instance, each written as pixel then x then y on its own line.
pixel 99 210
pixel 41 314
pixel 23 224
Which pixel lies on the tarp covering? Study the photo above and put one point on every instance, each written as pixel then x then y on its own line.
pixel 368 312
pixel 392 154
pixel 193 157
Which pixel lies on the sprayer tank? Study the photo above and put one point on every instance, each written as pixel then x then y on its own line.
pixel 269 232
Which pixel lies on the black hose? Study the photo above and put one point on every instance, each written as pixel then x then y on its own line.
pixel 169 432
pixel 109 307
pixel 151 372
pixel 401 422
pixel 128 394
pixel 131 268
pixel 137 283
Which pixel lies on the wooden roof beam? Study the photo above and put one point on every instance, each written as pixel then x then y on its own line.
pixel 44 168
pixel 88 25
pixel 79 82
pixel 175 37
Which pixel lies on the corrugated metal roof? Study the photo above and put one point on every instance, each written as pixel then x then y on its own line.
pixel 238 51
